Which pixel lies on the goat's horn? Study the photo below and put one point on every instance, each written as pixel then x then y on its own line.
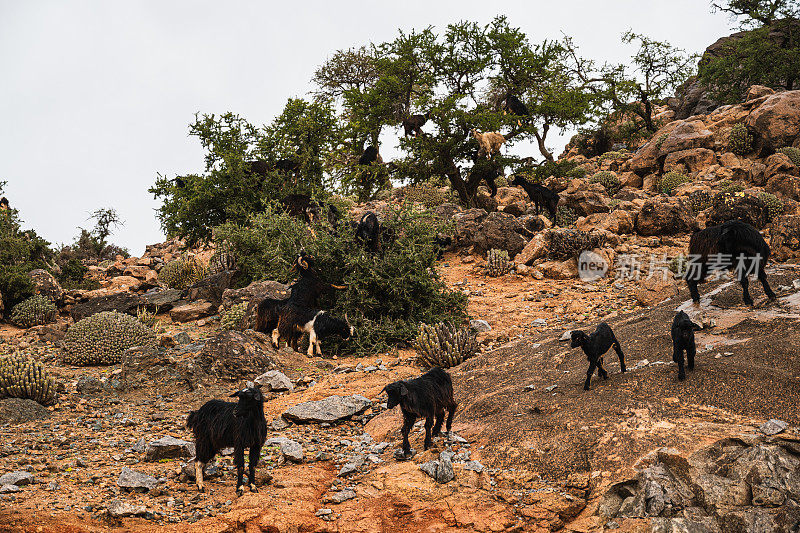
pixel 302 262
pixel 339 287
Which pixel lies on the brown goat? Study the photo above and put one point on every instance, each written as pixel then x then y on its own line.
pixel 490 142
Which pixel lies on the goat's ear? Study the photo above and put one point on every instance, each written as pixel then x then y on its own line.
pixel 403 390
pixel 696 327
pixel 235 394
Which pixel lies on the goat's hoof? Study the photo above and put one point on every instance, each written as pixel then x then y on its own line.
pixel 239 491
pixel 400 455
pixel 253 488
pixel 201 488
pixel 681 377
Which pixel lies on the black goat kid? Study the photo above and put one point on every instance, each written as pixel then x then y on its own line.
pixel 219 424
pixel 595 346
pixel 428 397
pixel 683 341
pixel 540 195
pixel 413 124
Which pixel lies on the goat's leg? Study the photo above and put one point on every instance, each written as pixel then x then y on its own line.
pixel 428 425
pixel 745 289
pixel 312 343
pixel 276 338
pixel 691 350
pixel 255 455
pixel 238 459
pixel 450 414
pixel 589 374
pixel 437 427
pixel 492 186
pixel 600 370
pixel 408 423
pixel 536 205
pixel 618 349
pixel 762 277
pixel 198 475
pixel 677 356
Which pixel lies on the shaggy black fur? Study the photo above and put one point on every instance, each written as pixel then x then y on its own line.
pixel 219 424
pixel 369 156
pixel 515 106
pixel 413 124
pixel 179 183
pixel 323 326
pixel 594 346
pixel 4 203
pixel 428 397
pixel 259 167
pixel 540 195
pixel 487 170
pixel 368 231
pixel 722 246
pixel 683 340
pixel 288 165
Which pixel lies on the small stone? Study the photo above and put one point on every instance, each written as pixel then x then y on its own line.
pixel 89 385
pixel 355 463
pixel 133 480
pixel 530 387
pixel 343 496
pixel 323 512
pixel 567 335
pixel 8 489
pixel 275 381
pixel 539 322
pixel 770 427
pixel 481 326
pixel 474 466
pixel 551 388
pixel 18 478
pixel 280 423
pixel 290 450
pixel 119 509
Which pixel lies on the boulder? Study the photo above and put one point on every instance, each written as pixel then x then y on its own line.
pixel 776 122
pixel 331 409
pixel 18 477
pixel 121 509
pixel 467 224
pixel 45 283
pixel 168 448
pixel 136 271
pixel 560 269
pixel 255 292
pixel 618 221
pixel 136 481
pixel 235 355
pixel 162 299
pixel 192 311
pixel 446 211
pixel 440 470
pixel 694 99
pixel 693 160
pixel 664 216
pixel 657 288
pixel 585 198
pixel 145 367
pixel 536 248
pixel 211 288
pixel 779 163
pixel 738 206
pixel 274 381
pixel 784 185
pixel 19 411
pixel 500 231
pixel 123 302
pixel 785 237
pixel 290 450
pixel 758 91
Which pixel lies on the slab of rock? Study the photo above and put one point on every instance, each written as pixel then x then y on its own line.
pixel 137 481
pixel 235 354
pixel 331 409
pixel 481 326
pixel 19 411
pixel 256 291
pixel 123 302
pixel 290 450
pixel 120 509
pixel 192 311
pixel 8 489
pixel 275 381
pixel 19 478
pixel 776 122
pixel 773 426
pixel 164 299
pixel 536 248
pixel 343 496
pixel 440 470
pixel 168 448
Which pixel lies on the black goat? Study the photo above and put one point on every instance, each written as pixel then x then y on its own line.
pixel 317 209
pixel 368 231
pixel 287 165
pixel 179 183
pixel 4 205
pixel 487 170
pixel 594 346
pixel 303 206
pixel 515 106
pixel 428 397
pixel 413 124
pixel 683 340
pixel 258 166
pixel 541 196
pixel 219 424
pixel 369 156
pixel 733 245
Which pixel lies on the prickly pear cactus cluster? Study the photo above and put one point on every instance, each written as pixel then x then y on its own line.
pixel 233 318
pixel 34 311
pixel 740 141
pixel 565 216
pixel 445 346
pixel 182 273
pixel 607 179
pixel 700 200
pixel 497 263
pixel 792 153
pixel 671 180
pixel 22 377
pixel 101 338
pixel 773 203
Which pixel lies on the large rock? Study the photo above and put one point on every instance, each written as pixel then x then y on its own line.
pixel 192 311
pixel 146 367
pixel 274 381
pixel 776 122
pixel 212 288
pixel 693 160
pixel 331 409
pixel 255 292
pixel 45 283
pixel 467 224
pixel 123 302
pixel 618 221
pixel 664 216
pixel 500 231
pixel 737 484
pixel 560 269
pixel 18 478
pixel 121 509
pixel 162 299
pixel 536 248
pixel 168 448
pixel 290 450
pixel 136 481
pixel 784 185
pixel 673 137
pixel 585 198
pixel 235 355
pixel 785 237
pixel 738 206
pixel 19 411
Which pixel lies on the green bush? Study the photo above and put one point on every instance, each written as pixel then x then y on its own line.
pixel 102 338
pixel 740 141
pixel 700 200
pixel 558 169
pixel 182 273
pixel 615 155
pixel 34 311
pixel 774 204
pixel 565 216
pixel 388 293
pixel 793 153
pixel 671 180
pixel 728 186
pixel 607 179
pixel 427 195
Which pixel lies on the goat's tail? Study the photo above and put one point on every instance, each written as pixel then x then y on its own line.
pixel 192 420
pixel 440 377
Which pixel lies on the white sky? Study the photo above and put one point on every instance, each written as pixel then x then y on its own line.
pixel 96 96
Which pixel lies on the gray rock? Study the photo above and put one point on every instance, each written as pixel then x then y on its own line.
pixel 481 326
pixel 567 335
pixel 343 496
pixel 133 480
pixel 18 478
pixel 773 426
pixel 8 489
pixel 89 385
pixel 474 466
pixel 356 462
pixel 210 470
pixel 280 423
pixel 123 302
pixel 330 409
pixel 440 470
pixel 323 512
pixel 551 388
pixel 539 322
pixel 168 448
pixel 19 411
pixel 119 509
pixel 163 299
pixel 275 381
pixel 290 450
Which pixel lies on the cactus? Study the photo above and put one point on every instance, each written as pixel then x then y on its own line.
pixel 568 243
pixel 102 337
pixel 614 155
pixel 792 153
pixel 497 263
pixel 233 318
pixel 445 346
pixel 728 186
pixel 22 377
pixel 221 261
pixel 773 203
pixel 182 273
pixel 678 265
pixel 740 141
pixel 700 200
pixel 147 318
pixel 565 216
pixel 34 311
pixel 671 180
pixel 607 179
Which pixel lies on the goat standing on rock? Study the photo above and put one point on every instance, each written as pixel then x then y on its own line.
pixel 595 346
pixel 219 424
pixel 428 397
pixel 683 340
pixel 540 195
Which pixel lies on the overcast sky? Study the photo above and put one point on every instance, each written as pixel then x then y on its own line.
pixel 96 96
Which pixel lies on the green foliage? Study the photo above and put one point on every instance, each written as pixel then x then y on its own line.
pixel 678 265
pixel 182 273
pixel 23 377
pixel 661 139
pixel 148 318
pixel 388 294
pixel 34 311
pixel 427 194
pixel 561 170
pixel 792 153
pixel 758 12
pixel 102 338
pixel 565 216
pixel 614 156
pixel 445 346
pixel 728 186
pixel 497 263
pixel 740 141
pixel 568 243
pixel 607 179
pixel 233 318
pixel 700 200
pixel 671 180
pixel 774 205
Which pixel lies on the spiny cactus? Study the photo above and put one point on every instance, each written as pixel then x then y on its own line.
pixel 671 180
pixel 565 216
pixel 233 318
pixel 792 153
pixel 728 186
pixel 427 195
pixel 22 377
pixel 700 200
pixel 497 263
pixel 614 155
pixel 147 318
pixel 607 179
pixel 568 243
pixel 101 338
pixel 740 141
pixel 773 203
pixel 34 311
pixel 445 346
pixel 182 273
